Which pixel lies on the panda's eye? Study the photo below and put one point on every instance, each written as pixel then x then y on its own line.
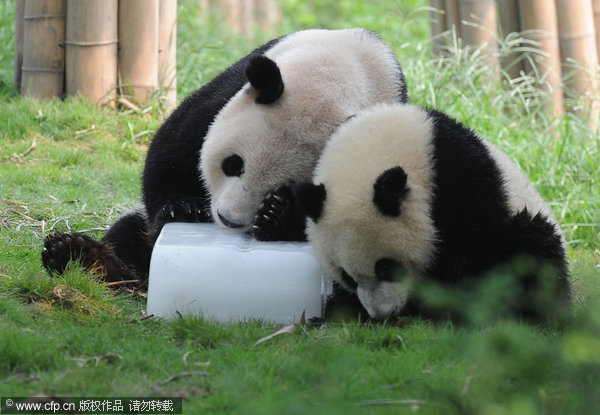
pixel 233 166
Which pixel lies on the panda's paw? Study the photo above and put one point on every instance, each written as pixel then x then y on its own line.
pixel 269 216
pixel 96 256
pixel 188 210
pixel 277 218
pixel 61 248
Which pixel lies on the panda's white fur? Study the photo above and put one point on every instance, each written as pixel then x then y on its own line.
pixel 350 234
pixel 328 75
pixel 521 192
pixel 350 163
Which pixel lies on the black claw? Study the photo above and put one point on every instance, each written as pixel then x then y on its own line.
pixel 185 210
pixel 276 218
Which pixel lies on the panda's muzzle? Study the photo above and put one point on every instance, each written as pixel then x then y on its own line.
pixel 229 223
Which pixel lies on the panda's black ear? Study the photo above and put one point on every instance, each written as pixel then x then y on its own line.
pixel 310 199
pixel 390 189
pixel 264 75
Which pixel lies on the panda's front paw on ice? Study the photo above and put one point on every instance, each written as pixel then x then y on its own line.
pixel 189 210
pixel 278 219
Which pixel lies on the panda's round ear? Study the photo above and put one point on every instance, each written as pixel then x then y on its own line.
pixel 310 199
pixel 264 75
pixel 390 189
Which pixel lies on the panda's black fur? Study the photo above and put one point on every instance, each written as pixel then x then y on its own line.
pixel 471 214
pixel 363 219
pixel 172 189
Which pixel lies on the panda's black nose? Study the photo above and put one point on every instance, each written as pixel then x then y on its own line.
pixel 229 223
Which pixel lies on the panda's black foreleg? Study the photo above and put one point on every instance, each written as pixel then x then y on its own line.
pixel 278 218
pixel 123 254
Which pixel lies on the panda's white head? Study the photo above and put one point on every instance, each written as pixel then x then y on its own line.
pixel 274 129
pixel 369 205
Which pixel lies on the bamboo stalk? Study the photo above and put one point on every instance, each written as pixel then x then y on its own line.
pixel 19 32
pixel 539 23
pixel 578 42
pixel 167 50
pixel 508 13
pixel 478 23
pixel 138 53
pixel 205 7
pixel 267 14
pixel 91 49
pixel 234 11
pixel 248 22
pixel 437 21
pixel 596 7
pixel 479 27
pixel 42 71
pixel 453 16
pixel 245 16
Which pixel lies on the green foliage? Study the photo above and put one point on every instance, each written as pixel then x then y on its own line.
pixel 70 165
pixel 398 21
pixel 7 34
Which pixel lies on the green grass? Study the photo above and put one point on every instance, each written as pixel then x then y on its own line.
pixel 70 165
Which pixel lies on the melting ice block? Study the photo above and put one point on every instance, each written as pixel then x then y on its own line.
pixel 205 270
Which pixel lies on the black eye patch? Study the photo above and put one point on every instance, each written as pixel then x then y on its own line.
pixel 387 270
pixel 233 166
pixel 390 189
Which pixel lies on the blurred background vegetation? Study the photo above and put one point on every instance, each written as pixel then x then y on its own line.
pixel 401 23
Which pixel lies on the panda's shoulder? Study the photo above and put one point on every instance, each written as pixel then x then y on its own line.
pixel 456 141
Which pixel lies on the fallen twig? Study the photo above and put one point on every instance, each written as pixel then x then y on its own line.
pixel 402 384
pixel 182 375
pixel 467 384
pixel 29 150
pixel 19 157
pixel 284 330
pixel 119 283
pixel 392 402
pixel 80 133
pixel 128 104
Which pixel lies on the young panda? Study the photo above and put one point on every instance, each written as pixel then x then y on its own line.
pixel 403 196
pixel 233 146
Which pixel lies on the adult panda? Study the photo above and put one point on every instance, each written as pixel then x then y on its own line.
pixel 404 196
pixel 233 146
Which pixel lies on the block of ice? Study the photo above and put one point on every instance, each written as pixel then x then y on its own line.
pixel 206 270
